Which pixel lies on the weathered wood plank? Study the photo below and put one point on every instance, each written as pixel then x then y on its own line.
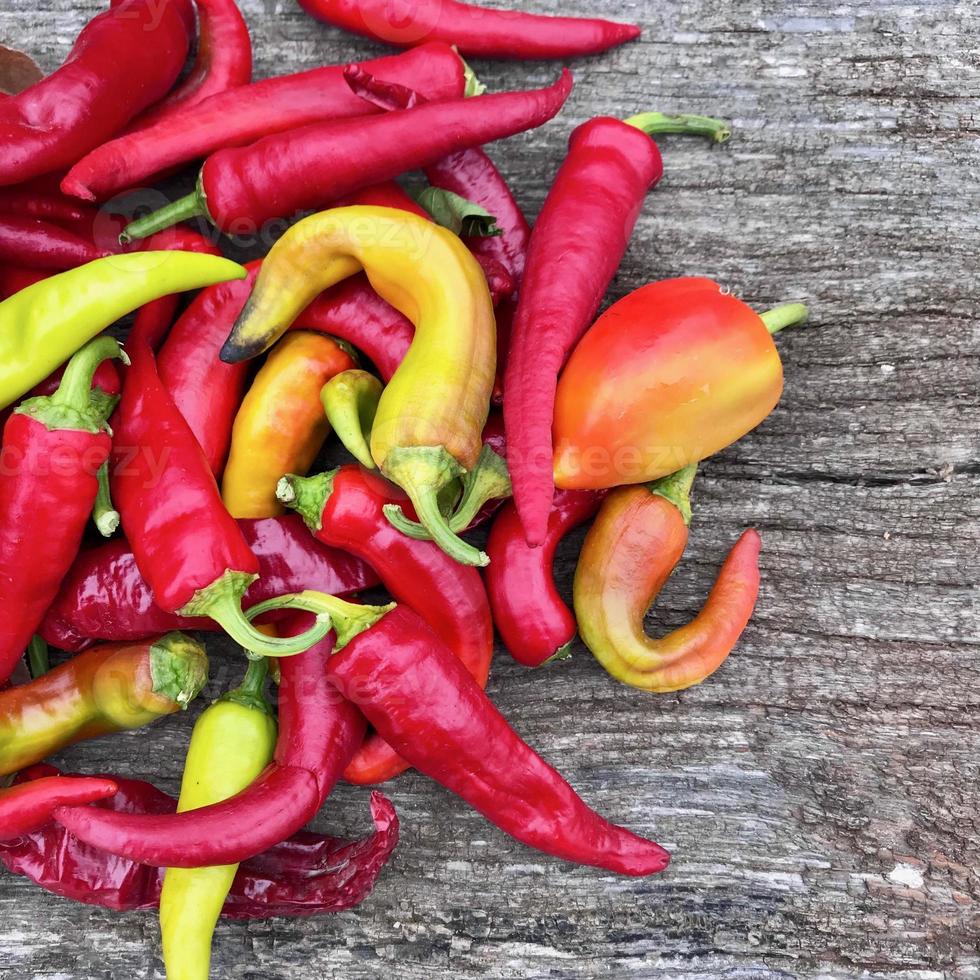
pixel 820 792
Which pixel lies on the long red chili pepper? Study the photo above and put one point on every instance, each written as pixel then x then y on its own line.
pixel 153 320
pixel 309 874
pixel 42 245
pixel 345 509
pixel 26 808
pixel 530 615
pixel 239 190
pixel 223 62
pixel 251 112
pixel 188 547
pixel 14 278
pixel 104 596
pixel 319 733
pixel 53 447
pixel 578 243
pixel 205 390
pixel 51 207
pixel 478 31
pixel 122 62
pixel 425 704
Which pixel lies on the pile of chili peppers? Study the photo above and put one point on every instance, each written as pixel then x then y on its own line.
pixel 454 352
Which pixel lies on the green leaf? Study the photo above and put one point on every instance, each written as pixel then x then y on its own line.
pixel 460 216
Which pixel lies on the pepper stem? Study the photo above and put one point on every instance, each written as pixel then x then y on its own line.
pixel 190 206
pixel 251 691
pixel 677 489
pixel 422 471
pixel 105 516
pixel 75 389
pixel 348 618
pixel 350 401
pixel 488 480
pixel 472 84
pixel 787 315
pixel 178 667
pixel 658 122
pixel 222 602
pixel 307 495
pixel 72 405
pixel 37 657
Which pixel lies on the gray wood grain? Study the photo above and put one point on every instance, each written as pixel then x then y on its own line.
pixel 820 792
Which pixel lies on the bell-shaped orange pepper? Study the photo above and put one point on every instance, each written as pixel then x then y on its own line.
pixel 667 376
pixel 630 551
pixel 280 426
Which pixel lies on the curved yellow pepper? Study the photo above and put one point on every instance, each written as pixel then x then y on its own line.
pixel 427 431
pixel 43 325
pixel 233 742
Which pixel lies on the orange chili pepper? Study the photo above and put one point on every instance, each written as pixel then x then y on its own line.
pixel 280 426
pixel 667 376
pixel 630 551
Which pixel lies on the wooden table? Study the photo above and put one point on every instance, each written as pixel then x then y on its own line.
pixel 820 791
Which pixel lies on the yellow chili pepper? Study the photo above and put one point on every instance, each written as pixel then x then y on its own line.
pixel 233 742
pixel 280 426
pixel 427 431
pixel 43 325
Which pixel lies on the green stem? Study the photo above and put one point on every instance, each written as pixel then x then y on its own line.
pixel 652 123
pixel 348 619
pixel 473 86
pixel 251 691
pixel 37 657
pixel 488 480
pixel 72 405
pixel 677 489
pixel 192 205
pixel 307 495
pixel 75 389
pixel 787 315
pixel 106 516
pixel 179 668
pixel 222 602
pixel 422 471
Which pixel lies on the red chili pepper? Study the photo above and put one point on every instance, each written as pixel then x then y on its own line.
pixel 345 509
pixel 56 208
pixel 104 596
pixel 42 245
pixel 309 874
pixel 480 32
pixel 52 449
pixel 240 189
pixel 26 808
pixel 15 278
pixel 153 320
pixel 248 113
pixel 578 243
pixel 425 704
pixel 223 62
pixel 205 390
pixel 122 62
pixel 630 551
pixel 319 733
pixel 531 617
pixel 188 547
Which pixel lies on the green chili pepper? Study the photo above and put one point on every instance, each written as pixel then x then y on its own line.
pixel 43 325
